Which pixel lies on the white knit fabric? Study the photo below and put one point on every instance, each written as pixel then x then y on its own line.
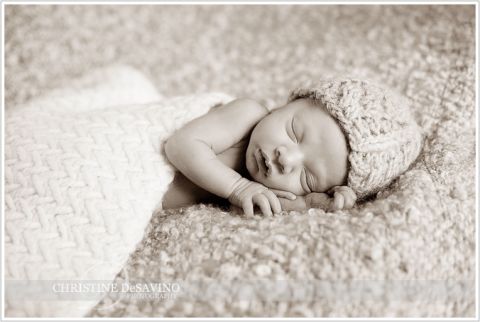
pixel 101 88
pixel 81 183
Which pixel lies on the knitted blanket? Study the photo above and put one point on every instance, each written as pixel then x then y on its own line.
pixel 409 252
pixel 84 171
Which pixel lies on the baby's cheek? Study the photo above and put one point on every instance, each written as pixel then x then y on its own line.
pixel 285 183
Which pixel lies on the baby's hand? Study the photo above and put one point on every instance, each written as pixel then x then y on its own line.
pixel 318 200
pixel 343 198
pixel 290 201
pixel 298 203
pixel 247 194
pixel 312 200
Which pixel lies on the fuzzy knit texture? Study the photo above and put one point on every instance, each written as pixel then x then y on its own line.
pixel 419 229
pixel 382 136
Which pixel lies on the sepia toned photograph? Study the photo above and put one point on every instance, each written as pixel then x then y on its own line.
pixel 239 160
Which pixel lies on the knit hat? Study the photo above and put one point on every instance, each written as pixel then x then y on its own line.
pixel 382 136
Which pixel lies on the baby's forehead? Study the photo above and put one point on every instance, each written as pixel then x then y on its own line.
pixel 299 104
pixel 307 104
pixel 307 107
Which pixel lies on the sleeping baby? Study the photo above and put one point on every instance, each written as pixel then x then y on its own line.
pixel 329 146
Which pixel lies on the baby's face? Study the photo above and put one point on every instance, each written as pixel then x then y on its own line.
pixel 298 148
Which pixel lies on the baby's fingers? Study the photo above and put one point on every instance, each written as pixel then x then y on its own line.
pixel 298 204
pixel 261 201
pixel 338 201
pixel 348 192
pixel 349 196
pixel 284 194
pixel 247 206
pixel 274 202
pixel 350 201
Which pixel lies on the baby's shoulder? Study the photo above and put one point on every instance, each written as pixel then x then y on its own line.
pixel 243 108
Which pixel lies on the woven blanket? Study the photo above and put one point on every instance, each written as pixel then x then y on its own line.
pixel 84 171
pixel 409 252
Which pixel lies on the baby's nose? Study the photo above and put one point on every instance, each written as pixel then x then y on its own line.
pixel 288 159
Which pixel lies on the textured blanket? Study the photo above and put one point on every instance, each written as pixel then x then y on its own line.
pixel 84 171
pixel 408 252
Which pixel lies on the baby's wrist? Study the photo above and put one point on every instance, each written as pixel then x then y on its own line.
pixel 238 186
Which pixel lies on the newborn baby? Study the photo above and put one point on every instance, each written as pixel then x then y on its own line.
pixel 330 145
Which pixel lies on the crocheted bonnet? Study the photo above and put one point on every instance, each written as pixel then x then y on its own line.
pixel 382 136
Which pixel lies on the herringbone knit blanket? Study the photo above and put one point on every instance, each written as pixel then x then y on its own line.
pixel 84 171
pixel 409 252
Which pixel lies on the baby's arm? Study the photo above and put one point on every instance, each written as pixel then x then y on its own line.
pixel 182 192
pixel 193 151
